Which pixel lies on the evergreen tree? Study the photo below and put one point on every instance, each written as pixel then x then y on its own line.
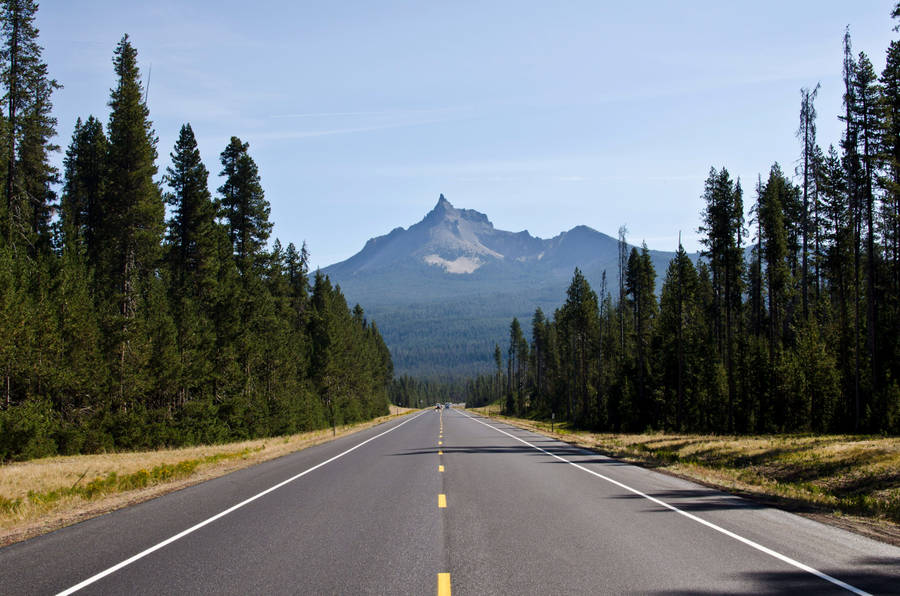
pixel 776 193
pixel 517 360
pixel 191 239
pixel 85 186
pixel 838 271
pixel 889 181
pixel 678 339
pixel 244 204
pixel 854 179
pixel 578 330
pixel 807 135
pixel 498 363
pixel 539 349
pixel 864 111
pixel 192 258
pixel 30 125
pixel 639 281
pixel 133 211
pixel 297 271
pixel 723 222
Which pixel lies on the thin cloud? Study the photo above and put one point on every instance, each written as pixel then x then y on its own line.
pixel 377 120
pixel 306 134
pixel 365 113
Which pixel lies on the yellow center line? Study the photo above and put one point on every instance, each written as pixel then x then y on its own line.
pixel 442 500
pixel 440 452
pixel 440 442
pixel 440 468
pixel 443 587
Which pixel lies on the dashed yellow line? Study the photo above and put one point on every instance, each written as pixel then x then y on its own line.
pixel 443 579
pixel 443 587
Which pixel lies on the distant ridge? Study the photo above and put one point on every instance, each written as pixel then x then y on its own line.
pixel 444 290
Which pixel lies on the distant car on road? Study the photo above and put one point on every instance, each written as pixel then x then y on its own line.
pixel 437 406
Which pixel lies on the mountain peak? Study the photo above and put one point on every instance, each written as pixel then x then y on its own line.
pixel 443 207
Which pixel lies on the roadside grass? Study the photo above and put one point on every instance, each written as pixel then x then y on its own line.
pixel 839 475
pixel 42 495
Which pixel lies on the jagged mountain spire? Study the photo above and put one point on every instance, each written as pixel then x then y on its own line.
pixel 441 209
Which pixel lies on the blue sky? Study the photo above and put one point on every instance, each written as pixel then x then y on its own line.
pixel 543 115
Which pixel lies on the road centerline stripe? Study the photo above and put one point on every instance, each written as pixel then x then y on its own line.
pixel 729 533
pixel 440 468
pixel 443 584
pixel 195 527
pixel 442 501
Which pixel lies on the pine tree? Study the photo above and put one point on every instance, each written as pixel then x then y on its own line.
pixel 775 252
pixel 517 359
pixel 854 178
pixel 84 381
pixel 622 263
pixel 244 204
pixel 838 268
pixel 297 271
pixel 639 281
pixel 807 135
pixel 723 222
pixel 539 341
pixel 889 181
pixel 192 258
pixel 578 324
pixel 133 211
pixel 30 125
pixel 777 192
pixel 192 250
pixel 865 113
pixel 498 363
pixel 85 186
pixel 678 338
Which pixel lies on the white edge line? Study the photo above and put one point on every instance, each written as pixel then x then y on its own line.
pixel 708 524
pixel 205 522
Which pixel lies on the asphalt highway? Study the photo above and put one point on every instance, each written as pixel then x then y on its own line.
pixel 448 502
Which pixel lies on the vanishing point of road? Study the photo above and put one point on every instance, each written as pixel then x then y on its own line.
pixel 442 502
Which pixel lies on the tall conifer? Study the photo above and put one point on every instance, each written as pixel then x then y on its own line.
pixel 133 210
pixel 244 204
pixel 30 124
pixel 85 185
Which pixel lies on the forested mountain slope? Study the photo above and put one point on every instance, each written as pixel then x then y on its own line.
pixel 444 289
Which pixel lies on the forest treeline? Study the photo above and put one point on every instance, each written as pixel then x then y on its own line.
pixel 126 328
pixel 799 333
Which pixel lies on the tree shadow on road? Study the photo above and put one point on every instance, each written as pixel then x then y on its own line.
pixel 871 579
pixel 695 500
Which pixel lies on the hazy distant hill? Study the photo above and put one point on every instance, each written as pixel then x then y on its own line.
pixel 444 290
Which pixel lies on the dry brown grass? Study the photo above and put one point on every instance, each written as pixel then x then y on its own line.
pixel 847 478
pixel 42 495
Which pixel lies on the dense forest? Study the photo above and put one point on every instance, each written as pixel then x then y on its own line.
pixel 799 333
pixel 139 310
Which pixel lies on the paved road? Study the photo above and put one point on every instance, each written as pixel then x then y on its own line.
pixel 522 514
